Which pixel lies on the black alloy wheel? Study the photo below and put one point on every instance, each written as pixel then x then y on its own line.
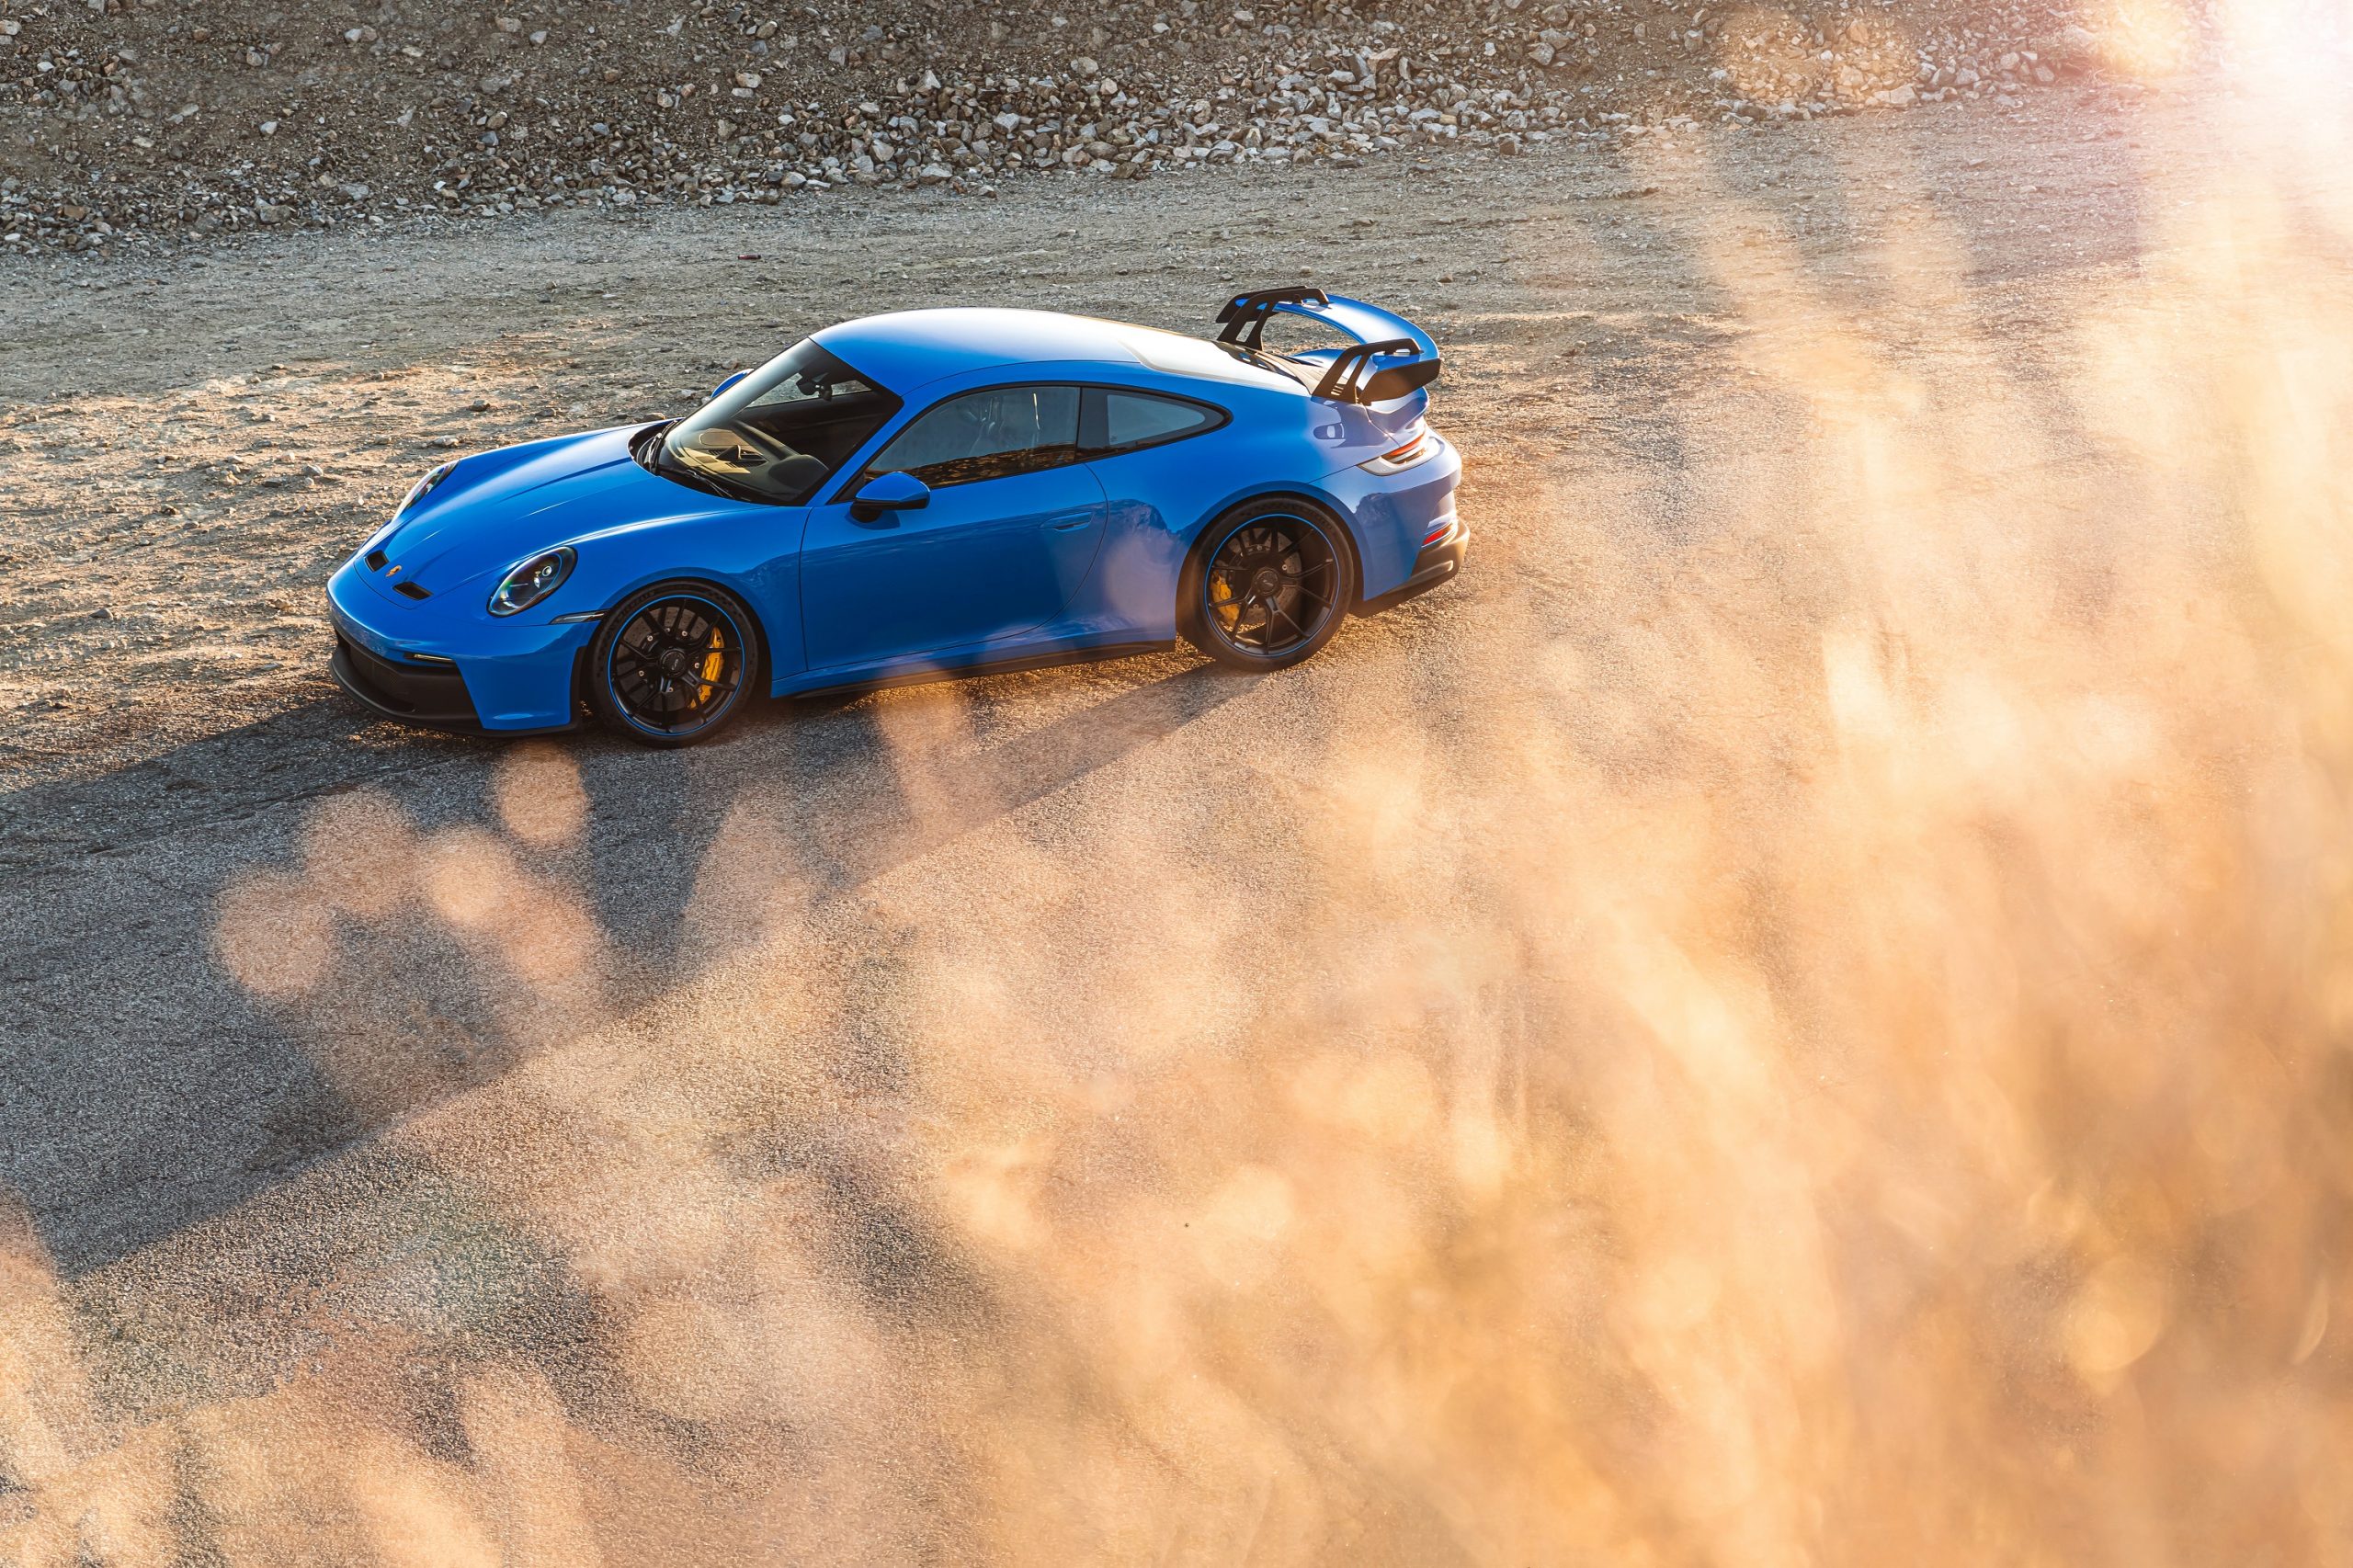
pixel 1268 589
pixel 672 664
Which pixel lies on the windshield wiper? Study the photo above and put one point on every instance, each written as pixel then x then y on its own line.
pixel 729 488
pixel 658 460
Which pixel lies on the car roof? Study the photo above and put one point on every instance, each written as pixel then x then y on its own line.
pixel 907 349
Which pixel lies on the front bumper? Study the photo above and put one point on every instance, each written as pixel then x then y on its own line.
pixel 431 695
pixel 431 663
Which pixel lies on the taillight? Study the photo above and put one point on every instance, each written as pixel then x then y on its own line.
pixel 1421 448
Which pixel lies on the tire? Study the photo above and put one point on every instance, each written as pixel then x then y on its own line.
pixel 645 650
pixel 1268 584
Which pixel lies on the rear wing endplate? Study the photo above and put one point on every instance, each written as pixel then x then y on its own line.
pixel 1390 357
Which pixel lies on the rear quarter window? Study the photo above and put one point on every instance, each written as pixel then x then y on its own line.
pixel 1125 421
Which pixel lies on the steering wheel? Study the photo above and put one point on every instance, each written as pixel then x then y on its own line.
pixel 771 450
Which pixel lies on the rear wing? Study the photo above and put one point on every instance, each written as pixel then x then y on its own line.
pixel 1389 357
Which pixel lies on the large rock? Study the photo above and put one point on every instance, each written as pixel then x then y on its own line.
pixel 2069 52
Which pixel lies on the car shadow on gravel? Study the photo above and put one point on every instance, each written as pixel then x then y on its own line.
pixel 315 748
pixel 948 784
pixel 150 1083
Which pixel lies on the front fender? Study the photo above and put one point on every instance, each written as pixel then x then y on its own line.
pixel 754 554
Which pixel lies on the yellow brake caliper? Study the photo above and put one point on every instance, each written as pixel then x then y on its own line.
pixel 712 663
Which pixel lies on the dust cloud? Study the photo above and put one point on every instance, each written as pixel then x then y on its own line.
pixel 1844 1066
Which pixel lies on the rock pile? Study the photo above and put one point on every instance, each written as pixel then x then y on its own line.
pixel 131 122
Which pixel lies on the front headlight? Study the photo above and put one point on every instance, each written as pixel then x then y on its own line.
pixel 422 488
pixel 532 581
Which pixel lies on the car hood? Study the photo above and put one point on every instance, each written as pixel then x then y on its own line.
pixel 497 508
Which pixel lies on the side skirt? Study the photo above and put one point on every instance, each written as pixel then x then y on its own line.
pixel 1003 666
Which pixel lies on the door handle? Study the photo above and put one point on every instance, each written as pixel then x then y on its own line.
pixel 1066 526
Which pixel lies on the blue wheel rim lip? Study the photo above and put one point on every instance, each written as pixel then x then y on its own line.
pixel 718 609
pixel 1260 520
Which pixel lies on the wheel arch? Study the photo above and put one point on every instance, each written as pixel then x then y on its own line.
pixel 744 591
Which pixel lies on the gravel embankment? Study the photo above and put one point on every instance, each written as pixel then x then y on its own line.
pixel 131 123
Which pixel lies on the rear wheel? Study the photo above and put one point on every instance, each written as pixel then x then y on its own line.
pixel 1267 586
pixel 673 663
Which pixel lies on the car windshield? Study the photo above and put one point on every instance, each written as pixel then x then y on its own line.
pixel 781 432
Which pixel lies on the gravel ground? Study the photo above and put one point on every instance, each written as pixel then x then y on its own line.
pixel 132 125
pixel 1724 1035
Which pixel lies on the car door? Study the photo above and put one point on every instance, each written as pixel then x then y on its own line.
pixel 1011 530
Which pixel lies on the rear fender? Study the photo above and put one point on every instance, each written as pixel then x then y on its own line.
pixel 1322 496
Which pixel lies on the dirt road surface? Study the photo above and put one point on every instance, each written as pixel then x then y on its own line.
pixel 1792 1015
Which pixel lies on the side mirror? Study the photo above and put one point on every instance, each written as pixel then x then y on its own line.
pixel 889 493
pixel 730 381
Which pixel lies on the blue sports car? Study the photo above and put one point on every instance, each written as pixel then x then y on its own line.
pixel 909 497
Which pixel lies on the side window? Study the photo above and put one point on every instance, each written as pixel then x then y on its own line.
pixel 987 434
pixel 1127 420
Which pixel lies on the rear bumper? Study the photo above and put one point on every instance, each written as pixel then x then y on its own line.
pixel 1437 564
pixel 1394 513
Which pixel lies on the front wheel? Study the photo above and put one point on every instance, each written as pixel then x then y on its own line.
pixel 1269 585
pixel 670 667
